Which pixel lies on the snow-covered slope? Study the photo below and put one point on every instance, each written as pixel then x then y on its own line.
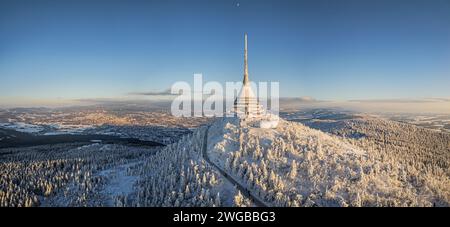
pixel 294 165
pixel 179 176
pixel 409 142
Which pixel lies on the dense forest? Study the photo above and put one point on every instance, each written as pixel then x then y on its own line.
pixel 363 162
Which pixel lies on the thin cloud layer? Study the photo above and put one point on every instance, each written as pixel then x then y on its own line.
pixel 152 93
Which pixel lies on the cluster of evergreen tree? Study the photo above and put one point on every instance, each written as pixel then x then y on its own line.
pixel 298 166
pixel 179 176
pixel 34 176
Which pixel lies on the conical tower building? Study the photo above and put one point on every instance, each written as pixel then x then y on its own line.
pixel 246 105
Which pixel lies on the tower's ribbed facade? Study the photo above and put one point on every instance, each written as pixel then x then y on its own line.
pixel 246 104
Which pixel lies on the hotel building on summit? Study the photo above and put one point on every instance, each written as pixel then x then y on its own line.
pixel 246 105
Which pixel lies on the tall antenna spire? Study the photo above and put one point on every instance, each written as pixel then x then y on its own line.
pixel 245 63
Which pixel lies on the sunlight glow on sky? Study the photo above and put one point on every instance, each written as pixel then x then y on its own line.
pixel 333 50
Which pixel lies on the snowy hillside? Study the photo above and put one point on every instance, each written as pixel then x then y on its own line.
pixel 348 163
pixel 179 176
pixel 294 165
pixel 428 147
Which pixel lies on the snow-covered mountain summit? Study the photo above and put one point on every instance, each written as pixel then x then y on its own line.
pixel 225 164
pixel 294 165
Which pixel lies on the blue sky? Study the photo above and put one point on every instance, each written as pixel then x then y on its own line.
pixel 324 49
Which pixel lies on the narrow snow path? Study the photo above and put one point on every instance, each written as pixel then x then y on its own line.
pixel 239 186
